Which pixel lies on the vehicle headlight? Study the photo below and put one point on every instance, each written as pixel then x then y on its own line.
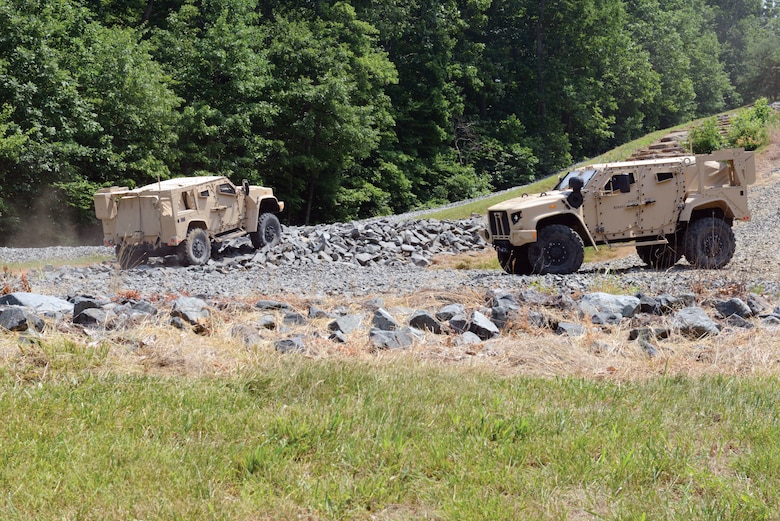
pixel 516 217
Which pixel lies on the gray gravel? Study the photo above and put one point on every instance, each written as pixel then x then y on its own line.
pixel 754 267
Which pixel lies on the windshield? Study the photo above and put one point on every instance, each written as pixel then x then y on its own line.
pixel 585 175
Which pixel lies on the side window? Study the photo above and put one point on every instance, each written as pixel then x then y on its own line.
pixel 227 189
pixel 188 201
pixel 660 177
pixel 620 183
pixel 204 193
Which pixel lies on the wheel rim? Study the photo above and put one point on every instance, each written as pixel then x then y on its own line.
pixel 269 234
pixel 713 245
pixel 198 248
pixel 556 253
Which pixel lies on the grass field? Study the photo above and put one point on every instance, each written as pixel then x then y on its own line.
pixel 297 439
pixel 24 267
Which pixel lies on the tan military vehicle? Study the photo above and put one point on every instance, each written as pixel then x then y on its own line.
pixel 667 208
pixel 185 216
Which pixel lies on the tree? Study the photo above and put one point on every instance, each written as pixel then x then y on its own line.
pixel 761 75
pixel 135 111
pixel 711 84
pixel 216 52
pixel 654 28
pixel 91 104
pixel 425 41
pixel 734 22
pixel 328 85
pixel 591 72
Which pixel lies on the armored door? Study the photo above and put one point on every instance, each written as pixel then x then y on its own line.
pixel 226 212
pixel 617 204
pixel 662 195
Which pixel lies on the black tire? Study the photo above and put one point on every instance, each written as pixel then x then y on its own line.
pixel 130 256
pixel 709 243
pixel 558 249
pixel 269 231
pixel 195 249
pixel 515 261
pixel 661 256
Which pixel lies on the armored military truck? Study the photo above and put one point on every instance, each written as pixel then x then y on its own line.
pixel 186 216
pixel 666 208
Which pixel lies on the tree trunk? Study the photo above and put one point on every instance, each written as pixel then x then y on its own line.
pixel 148 12
pixel 310 187
pixel 540 55
pixel 309 202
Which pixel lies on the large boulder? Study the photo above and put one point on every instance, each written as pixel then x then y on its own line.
pixel 403 338
pixel 693 322
pixel 594 303
pixel 733 306
pixel 191 310
pixel 346 324
pixel 384 320
pixel 425 321
pixel 16 318
pixel 481 326
pixel 38 303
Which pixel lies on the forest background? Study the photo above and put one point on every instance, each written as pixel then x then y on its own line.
pixel 349 109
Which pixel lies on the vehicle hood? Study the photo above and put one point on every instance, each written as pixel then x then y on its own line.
pixel 530 201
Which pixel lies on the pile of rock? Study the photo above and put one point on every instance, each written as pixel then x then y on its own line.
pixel 383 241
pixel 647 319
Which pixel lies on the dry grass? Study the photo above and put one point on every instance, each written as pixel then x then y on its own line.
pixel 485 259
pixel 767 169
pixel 154 347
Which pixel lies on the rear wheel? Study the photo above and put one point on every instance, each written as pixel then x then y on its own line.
pixel 558 249
pixel 269 231
pixel 709 243
pixel 515 260
pixel 661 256
pixel 195 249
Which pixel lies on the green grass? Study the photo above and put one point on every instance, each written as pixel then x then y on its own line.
pixel 325 439
pixel 480 206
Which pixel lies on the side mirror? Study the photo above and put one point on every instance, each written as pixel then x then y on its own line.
pixel 576 184
pixel 575 198
pixel 245 185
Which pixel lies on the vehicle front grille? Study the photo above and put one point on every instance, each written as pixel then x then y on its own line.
pixel 499 224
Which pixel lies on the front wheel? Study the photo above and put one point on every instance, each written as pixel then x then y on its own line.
pixel 709 243
pixel 514 260
pixel 269 231
pixel 196 248
pixel 558 250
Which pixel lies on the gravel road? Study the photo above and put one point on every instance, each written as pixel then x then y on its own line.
pixel 754 267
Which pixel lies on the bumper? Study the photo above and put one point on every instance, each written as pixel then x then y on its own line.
pixel 515 238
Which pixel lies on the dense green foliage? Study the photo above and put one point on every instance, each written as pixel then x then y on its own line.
pixel 351 108
pixel 705 138
pixel 747 130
